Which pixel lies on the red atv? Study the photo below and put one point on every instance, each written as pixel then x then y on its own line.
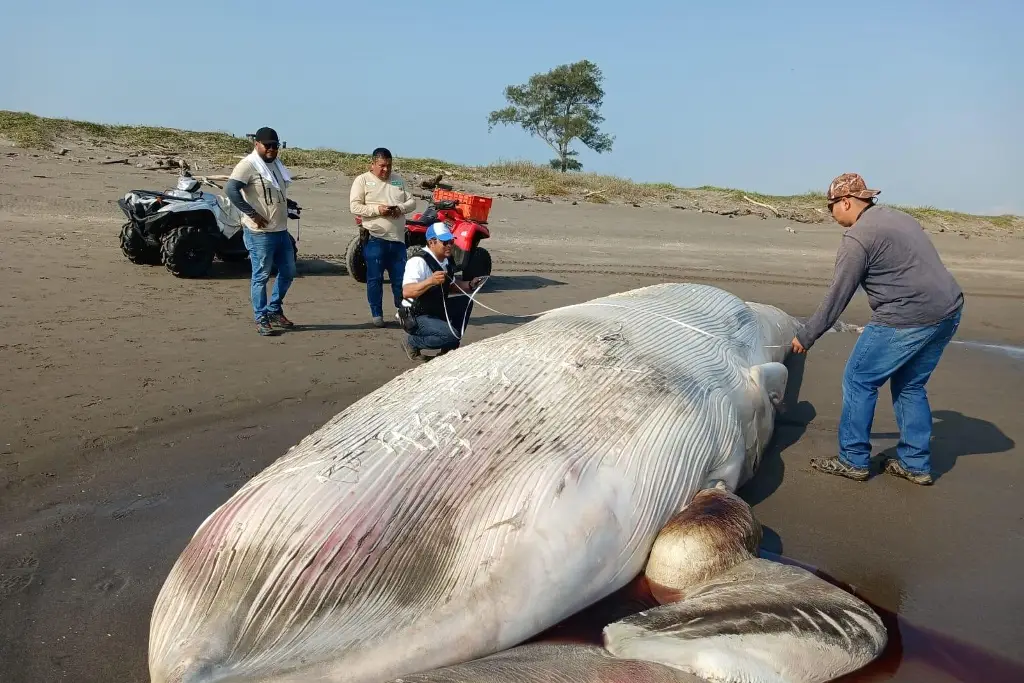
pixel 464 214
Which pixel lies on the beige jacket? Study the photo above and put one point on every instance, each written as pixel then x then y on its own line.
pixel 369 193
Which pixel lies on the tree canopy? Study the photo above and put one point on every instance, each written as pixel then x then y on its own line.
pixel 559 106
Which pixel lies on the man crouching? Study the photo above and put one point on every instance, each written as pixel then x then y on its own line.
pixel 431 318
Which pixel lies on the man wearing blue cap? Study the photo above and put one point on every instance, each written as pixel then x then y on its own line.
pixel 431 318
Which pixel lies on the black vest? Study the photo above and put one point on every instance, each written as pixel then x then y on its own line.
pixel 431 302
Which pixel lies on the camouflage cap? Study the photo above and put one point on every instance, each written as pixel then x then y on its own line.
pixel 850 185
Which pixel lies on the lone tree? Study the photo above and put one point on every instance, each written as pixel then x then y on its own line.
pixel 559 107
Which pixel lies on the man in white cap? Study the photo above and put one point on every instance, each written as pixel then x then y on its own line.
pixel 431 317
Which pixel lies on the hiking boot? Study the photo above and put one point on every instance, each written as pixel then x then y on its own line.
pixel 378 321
pixel 413 354
pixel 896 469
pixel 263 327
pixel 836 466
pixel 278 320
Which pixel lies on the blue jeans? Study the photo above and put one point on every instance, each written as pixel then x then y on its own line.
pixel 383 255
pixel 906 358
pixel 434 333
pixel 267 249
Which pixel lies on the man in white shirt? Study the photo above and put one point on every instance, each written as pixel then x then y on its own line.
pixel 431 316
pixel 382 199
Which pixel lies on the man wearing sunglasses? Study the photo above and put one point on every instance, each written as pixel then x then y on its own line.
pixel 258 187
pixel 432 315
pixel 916 304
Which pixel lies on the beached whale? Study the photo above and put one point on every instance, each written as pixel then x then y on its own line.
pixel 473 502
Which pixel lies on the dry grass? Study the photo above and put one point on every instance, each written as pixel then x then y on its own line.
pixel 28 130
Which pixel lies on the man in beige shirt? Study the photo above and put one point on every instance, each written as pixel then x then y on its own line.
pixel 382 199
pixel 258 187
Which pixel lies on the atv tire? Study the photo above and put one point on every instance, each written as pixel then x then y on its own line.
pixel 187 251
pixel 355 261
pixel 136 249
pixel 479 264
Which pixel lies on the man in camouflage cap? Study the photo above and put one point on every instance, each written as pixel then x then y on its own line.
pixel 916 306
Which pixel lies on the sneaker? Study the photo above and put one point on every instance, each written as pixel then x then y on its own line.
pixel 263 327
pixel 279 320
pixel 378 321
pixel 413 354
pixel 834 465
pixel 896 469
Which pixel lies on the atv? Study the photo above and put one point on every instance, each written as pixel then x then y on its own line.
pixel 184 228
pixel 467 254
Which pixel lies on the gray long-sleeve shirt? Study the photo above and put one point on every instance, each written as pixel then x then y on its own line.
pixel 890 255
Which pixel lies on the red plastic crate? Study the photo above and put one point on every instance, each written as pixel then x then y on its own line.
pixel 472 206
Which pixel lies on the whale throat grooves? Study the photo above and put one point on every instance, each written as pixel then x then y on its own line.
pixel 470 503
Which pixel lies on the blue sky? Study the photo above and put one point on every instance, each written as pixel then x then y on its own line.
pixel 925 99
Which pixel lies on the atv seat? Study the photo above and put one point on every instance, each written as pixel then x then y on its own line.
pixel 425 221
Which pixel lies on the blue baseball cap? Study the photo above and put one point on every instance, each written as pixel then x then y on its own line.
pixel 439 231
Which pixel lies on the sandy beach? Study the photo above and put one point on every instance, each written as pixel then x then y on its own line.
pixel 134 403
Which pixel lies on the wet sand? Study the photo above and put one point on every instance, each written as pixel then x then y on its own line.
pixel 135 403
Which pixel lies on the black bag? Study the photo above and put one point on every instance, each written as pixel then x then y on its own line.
pixel 408 320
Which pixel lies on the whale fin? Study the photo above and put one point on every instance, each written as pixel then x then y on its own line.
pixel 759 622
pixel 772 377
pixel 553 663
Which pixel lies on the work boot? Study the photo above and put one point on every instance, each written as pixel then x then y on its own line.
pixel 278 320
pixel 836 466
pixel 378 321
pixel 263 326
pixel 896 469
pixel 413 354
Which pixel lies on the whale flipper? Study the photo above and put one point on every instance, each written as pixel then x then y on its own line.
pixel 553 663
pixel 759 622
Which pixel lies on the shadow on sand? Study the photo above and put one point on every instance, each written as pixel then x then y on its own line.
pixel 790 425
pixel 518 283
pixel 954 435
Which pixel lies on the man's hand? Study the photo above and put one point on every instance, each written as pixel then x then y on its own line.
pixel 437 278
pixel 389 211
pixel 796 347
pixel 259 220
pixel 476 282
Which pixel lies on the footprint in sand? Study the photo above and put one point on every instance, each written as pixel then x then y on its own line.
pixel 111 582
pixel 134 506
pixel 16 576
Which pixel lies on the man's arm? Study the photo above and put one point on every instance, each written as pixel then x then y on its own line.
pixel 357 200
pixel 851 264
pixel 233 190
pixel 239 178
pixel 467 286
pixel 418 278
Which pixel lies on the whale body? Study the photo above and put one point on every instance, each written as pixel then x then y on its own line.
pixel 476 500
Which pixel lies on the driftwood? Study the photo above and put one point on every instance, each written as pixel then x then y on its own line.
pixel 115 161
pixel 766 206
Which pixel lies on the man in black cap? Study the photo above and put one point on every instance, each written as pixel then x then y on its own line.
pixel 258 188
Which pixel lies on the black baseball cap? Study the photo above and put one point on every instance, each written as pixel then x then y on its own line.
pixel 266 134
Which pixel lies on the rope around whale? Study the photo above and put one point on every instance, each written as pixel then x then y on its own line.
pixel 472 300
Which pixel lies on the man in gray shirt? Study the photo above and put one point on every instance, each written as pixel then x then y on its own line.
pixel 916 306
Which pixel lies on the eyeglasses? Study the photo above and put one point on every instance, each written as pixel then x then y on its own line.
pixel 835 201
